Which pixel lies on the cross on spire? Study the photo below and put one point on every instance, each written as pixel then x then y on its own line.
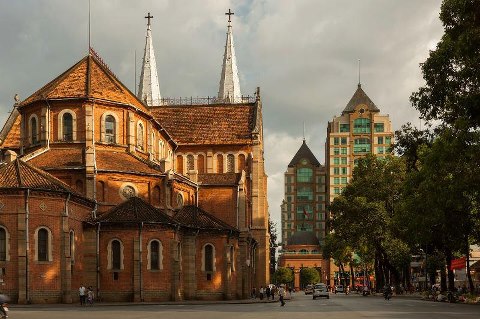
pixel 148 17
pixel 229 14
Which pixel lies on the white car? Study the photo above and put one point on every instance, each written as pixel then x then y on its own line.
pixel 320 290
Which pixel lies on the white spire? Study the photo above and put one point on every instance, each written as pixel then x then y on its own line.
pixel 229 82
pixel 149 89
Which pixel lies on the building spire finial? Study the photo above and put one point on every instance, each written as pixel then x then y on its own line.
pixel 149 87
pixel 304 131
pixel 229 89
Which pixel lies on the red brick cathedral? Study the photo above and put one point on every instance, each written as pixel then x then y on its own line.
pixel 141 197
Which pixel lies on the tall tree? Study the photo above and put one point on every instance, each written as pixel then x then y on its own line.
pixel 272 230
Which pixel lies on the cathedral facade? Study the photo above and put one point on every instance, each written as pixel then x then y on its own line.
pixel 140 197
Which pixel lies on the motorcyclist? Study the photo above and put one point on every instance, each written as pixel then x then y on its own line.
pixel 387 292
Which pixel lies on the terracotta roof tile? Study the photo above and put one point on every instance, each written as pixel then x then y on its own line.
pixel 219 179
pixel 208 124
pixel 12 139
pixel 59 158
pixel 73 84
pixel 136 210
pixel 123 161
pixel 194 217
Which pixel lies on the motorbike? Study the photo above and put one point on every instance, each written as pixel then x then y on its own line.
pixel 5 308
pixel 387 295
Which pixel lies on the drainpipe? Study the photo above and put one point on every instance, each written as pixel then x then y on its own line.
pixel 140 261
pixel 27 243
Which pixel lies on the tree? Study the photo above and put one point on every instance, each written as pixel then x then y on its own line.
pixel 309 276
pixel 272 230
pixel 283 275
pixel 452 71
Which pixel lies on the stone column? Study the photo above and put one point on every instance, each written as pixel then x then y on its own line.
pixel 89 152
pixel 65 262
pixel 189 270
pixel 22 256
pixel 176 272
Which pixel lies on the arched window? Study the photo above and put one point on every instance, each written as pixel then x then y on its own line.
pixel 43 245
pixel 201 164
pixel 161 150
pixel 3 244
pixel 303 251
pixel 230 163
pixel 155 253
pixel 67 121
pixel 116 255
pixel 140 135
pixel 190 163
pixel 209 258
pixel 219 163
pixel 34 130
pixel 241 162
pixel 361 125
pixel 110 129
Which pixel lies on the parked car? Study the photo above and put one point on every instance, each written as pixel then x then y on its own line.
pixel 339 288
pixel 309 289
pixel 320 290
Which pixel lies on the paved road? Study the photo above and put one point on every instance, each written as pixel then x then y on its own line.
pixel 301 306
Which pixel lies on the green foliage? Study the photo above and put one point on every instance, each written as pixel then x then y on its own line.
pixel 309 276
pixel 283 275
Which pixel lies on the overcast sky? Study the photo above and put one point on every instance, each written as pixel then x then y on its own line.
pixel 303 54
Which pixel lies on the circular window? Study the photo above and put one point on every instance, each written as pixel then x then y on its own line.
pixel 362 110
pixel 304 161
pixel 128 191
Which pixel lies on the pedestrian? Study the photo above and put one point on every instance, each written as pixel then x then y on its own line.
pixel 3 303
pixel 281 294
pixel 81 293
pixel 273 292
pixel 254 293
pixel 268 292
pixel 261 292
pixel 90 296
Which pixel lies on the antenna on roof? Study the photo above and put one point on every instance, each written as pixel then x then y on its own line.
pixel 359 83
pixel 89 46
pixel 304 131
pixel 135 67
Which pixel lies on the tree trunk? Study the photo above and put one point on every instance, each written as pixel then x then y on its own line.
pixel 443 279
pixel 451 277
pixel 352 276
pixel 469 276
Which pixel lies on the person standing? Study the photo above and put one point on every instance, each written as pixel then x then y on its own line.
pixel 261 291
pixel 81 293
pixel 268 291
pixel 281 294
pixel 90 296
pixel 3 301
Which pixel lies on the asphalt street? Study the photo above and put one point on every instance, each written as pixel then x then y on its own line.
pixel 301 306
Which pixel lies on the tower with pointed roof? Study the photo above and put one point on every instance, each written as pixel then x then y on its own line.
pixel 303 208
pixel 149 87
pixel 358 131
pixel 229 89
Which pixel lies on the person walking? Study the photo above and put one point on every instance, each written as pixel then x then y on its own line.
pixel 90 296
pixel 3 303
pixel 81 293
pixel 281 294
pixel 268 292
pixel 261 292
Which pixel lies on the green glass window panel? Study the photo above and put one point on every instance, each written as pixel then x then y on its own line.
pixel 336 160
pixel 289 199
pixel 336 180
pixel 336 190
pixel 320 198
pixel 343 151
pixel 361 126
pixel 304 193
pixel 307 226
pixel 362 145
pixel 336 170
pixel 344 161
pixel 336 151
pixel 301 209
pixel 344 128
pixel 336 140
pixel 388 139
pixel 344 180
pixel 343 170
pixel 380 149
pixel 289 189
pixel 379 127
pixel 380 140
pixel 304 175
pixel 344 141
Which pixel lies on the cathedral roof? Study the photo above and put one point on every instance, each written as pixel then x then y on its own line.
pixel 21 175
pixel 88 78
pixel 10 133
pixel 219 179
pixel 303 237
pixel 125 162
pixel 360 97
pixel 208 124
pixel 194 217
pixel 136 210
pixel 59 158
pixel 304 152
